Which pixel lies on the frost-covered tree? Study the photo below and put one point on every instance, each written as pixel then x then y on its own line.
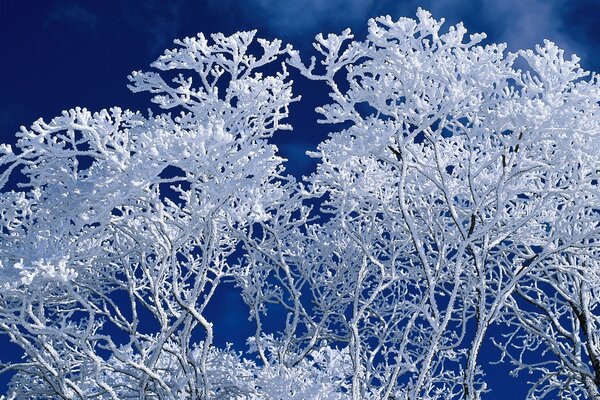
pixel 462 184
pixel 457 205
pixel 125 225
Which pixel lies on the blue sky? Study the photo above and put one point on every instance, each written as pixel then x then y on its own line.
pixel 60 54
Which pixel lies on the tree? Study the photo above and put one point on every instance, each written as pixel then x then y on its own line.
pixel 456 206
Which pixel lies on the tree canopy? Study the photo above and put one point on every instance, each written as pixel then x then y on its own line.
pixel 455 203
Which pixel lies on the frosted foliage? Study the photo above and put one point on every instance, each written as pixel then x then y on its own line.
pixel 454 206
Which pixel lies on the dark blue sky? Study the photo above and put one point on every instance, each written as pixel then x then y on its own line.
pixel 57 55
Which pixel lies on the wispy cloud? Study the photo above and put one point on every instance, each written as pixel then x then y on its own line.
pixel 73 14
pixel 298 17
pixel 520 23
pixel 160 20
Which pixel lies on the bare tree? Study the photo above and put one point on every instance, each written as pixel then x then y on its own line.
pixel 457 206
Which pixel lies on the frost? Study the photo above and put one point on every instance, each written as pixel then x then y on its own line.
pixel 461 194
